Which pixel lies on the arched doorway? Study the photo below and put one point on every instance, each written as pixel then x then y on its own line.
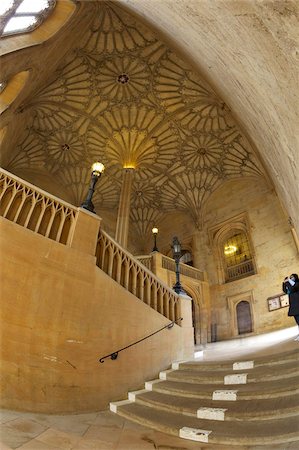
pixel 244 321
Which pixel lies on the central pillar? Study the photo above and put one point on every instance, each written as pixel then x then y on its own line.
pixel 123 216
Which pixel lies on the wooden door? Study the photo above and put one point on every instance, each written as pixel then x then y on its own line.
pixel 244 320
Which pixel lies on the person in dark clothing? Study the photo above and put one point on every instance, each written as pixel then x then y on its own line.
pixel 290 286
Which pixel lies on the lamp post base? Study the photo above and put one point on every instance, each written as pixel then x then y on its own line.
pixel 178 289
pixel 89 206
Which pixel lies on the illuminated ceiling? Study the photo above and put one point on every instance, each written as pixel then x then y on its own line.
pixel 121 96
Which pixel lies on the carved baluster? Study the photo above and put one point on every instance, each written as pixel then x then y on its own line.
pixel 72 219
pixel 134 279
pixel 20 207
pixel 43 210
pixel 147 290
pixel 33 203
pixel 166 304
pixel 60 228
pixel 110 260
pixel 154 299
pixel 141 285
pixel 127 272
pixel 14 192
pixel 5 187
pixel 118 267
pixel 160 301
pixel 48 230
pixel 102 253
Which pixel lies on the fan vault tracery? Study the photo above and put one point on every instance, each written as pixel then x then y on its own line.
pixel 123 97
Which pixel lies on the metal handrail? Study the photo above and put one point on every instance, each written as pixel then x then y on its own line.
pixel 114 355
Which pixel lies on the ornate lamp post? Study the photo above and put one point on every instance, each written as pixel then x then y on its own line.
pixel 176 250
pixel 97 170
pixel 155 232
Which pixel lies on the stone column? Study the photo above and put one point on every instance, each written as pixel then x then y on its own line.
pixel 197 250
pixel 122 225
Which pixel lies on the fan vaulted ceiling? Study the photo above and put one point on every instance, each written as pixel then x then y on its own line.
pixel 123 97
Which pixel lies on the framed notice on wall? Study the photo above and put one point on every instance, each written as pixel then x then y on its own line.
pixel 284 300
pixel 273 303
pixel 278 301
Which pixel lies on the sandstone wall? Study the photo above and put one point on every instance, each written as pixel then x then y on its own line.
pixel 275 254
pixel 60 313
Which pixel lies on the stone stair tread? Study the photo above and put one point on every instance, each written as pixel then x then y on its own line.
pixel 257 432
pixel 236 410
pixel 262 389
pixel 287 371
pixel 260 361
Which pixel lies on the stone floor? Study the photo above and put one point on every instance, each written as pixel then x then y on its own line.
pixel 107 431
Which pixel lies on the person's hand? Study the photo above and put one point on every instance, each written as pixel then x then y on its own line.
pixel 286 279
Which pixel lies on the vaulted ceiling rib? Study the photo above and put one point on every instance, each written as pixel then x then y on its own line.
pixel 123 97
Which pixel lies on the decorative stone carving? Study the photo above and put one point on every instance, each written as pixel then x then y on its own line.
pixel 122 97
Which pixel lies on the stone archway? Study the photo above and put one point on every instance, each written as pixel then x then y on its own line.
pixel 200 313
pixel 241 307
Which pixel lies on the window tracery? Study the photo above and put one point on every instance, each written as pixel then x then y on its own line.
pixel 23 16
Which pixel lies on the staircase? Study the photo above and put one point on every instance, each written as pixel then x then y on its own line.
pixel 252 402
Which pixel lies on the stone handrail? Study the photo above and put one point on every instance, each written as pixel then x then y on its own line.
pixel 31 207
pixel 188 271
pixel 134 277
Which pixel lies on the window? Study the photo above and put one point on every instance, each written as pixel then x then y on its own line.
pixel 233 249
pixel 238 260
pixel 22 16
pixel 2 85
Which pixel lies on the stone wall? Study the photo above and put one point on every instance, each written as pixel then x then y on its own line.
pixel 275 255
pixel 273 244
pixel 59 314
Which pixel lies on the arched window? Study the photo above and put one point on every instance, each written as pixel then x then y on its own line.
pixel 23 16
pixel 233 249
pixel 237 256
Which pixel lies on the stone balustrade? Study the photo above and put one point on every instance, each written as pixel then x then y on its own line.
pixel 188 271
pixel 35 209
pixel 42 213
pixel 169 264
pixel 240 270
pixel 134 277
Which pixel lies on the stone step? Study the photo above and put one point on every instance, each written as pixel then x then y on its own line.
pixel 266 432
pixel 229 377
pixel 261 409
pixel 273 361
pixel 249 391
